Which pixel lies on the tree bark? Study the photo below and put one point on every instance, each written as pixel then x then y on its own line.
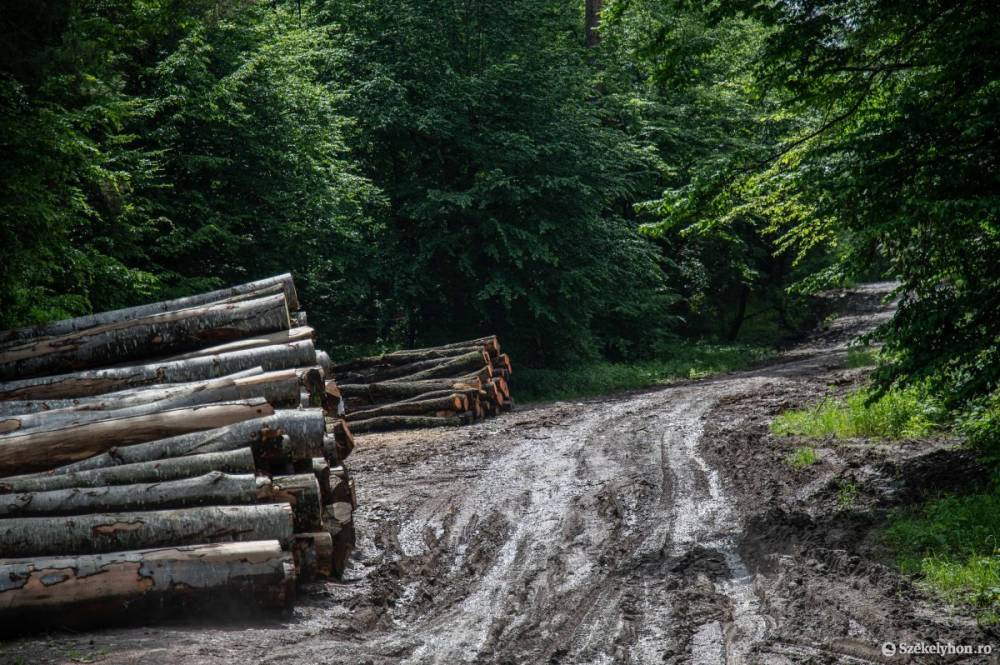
pixel 98 381
pixel 37 451
pixel 405 357
pixel 592 18
pixel 452 402
pixel 398 390
pixel 278 388
pixel 490 343
pixel 114 532
pixel 424 369
pixel 304 428
pixel 214 488
pixel 289 336
pixel 302 492
pixel 283 283
pixel 240 461
pixel 95 590
pixel 152 336
pixel 385 423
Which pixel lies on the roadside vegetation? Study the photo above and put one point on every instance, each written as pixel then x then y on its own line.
pixel 894 414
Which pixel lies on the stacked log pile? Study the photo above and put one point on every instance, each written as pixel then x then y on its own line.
pixel 181 454
pixel 455 384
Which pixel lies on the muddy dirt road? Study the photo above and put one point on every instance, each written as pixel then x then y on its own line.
pixel 655 527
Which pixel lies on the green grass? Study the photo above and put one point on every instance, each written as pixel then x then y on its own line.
pixel 861 356
pixel 952 544
pixel 801 458
pixel 897 414
pixel 685 361
pixel 847 494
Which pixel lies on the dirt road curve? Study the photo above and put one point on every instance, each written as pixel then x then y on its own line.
pixel 660 527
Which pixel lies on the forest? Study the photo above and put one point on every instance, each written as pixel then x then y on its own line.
pixel 593 181
pixel 623 191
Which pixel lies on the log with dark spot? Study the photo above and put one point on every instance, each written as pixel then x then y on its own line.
pixel 99 381
pixel 240 461
pixel 97 589
pixel 302 492
pixel 156 335
pixel 113 532
pixel 37 451
pixel 213 488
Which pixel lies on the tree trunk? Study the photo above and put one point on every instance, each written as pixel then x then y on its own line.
pixel 98 381
pixel 397 358
pixel 593 19
pixel 305 429
pixel 240 461
pixel 152 336
pixel 297 334
pixel 37 451
pixel 214 488
pixel 114 532
pixel 741 311
pixel 283 283
pixel 302 492
pixel 451 402
pixel 397 390
pixel 402 422
pixel 94 590
pixel 278 388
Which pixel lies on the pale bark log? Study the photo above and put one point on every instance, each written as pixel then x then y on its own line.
pixel 240 461
pixel 450 403
pixel 283 283
pixel 95 589
pixel 422 369
pixel 214 488
pixel 113 532
pixel 304 428
pixel 404 357
pixel 289 336
pixel 152 336
pixel 385 423
pixel 397 390
pixel 278 388
pixel 98 381
pixel 490 343
pixel 300 318
pixel 37 451
pixel 302 493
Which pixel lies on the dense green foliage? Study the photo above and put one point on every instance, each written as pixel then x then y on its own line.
pixel 953 543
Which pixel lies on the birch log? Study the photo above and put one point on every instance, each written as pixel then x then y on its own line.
pixel 98 381
pixel 152 336
pixel 305 430
pixel 92 590
pixel 396 390
pixel 239 461
pixel 113 532
pixel 214 488
pixel 451 402
pixel 283 282
pixel 297 334
pixel 302 492
pixel 37 451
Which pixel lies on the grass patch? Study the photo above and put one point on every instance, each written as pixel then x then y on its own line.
pixel 685 361
pixel 847 494
pixel 861 356
pixel 897 414
pixel 952 544
pixel 801 458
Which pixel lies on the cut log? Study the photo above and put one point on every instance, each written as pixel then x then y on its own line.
pixel 423 369
pixel 503 360
pixel 152 336
pixel 240 461
pixel 214 488
pixel 313 553
pixel 401 358
pixel 302 492
pixel 305 429
pixel 343 437
pixel 323 360
pixel 296 334
pixel 300 318
pixel 490 343
pixel 385 423
pixel 37 451
pixel 340 522
pixel 112 532
pixel 278 388
pixel 321 469
pixel 397 390
pixel 267 286
pixel 98 381
pixel 452 402
pixel 93 590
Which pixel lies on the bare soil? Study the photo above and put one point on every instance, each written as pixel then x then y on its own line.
pixel 660 526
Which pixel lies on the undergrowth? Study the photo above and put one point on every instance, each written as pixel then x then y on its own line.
pixel 803 457
pixel 897 414
pixel 952 545
pixel 683 361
